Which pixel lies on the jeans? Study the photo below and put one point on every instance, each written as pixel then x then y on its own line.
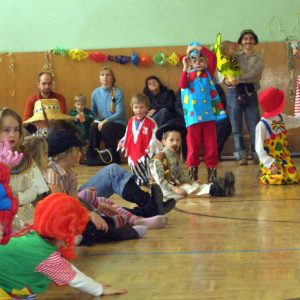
pixel 162 116
pixel 252 117
pixel 109 180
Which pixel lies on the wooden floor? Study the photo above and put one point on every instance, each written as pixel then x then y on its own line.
pixel 246 247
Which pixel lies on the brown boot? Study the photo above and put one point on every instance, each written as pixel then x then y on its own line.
pixel 211 175
pixel 193 171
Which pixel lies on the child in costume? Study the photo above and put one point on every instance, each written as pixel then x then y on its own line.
pixel 118 223
pixel 83 116
pixel 8 203
pixel 139 142
pixel 40 252
pixel 170 172
pixel 227 64
pixel 44 111
pixel 201 108
pixel 271 143
pixel 26 181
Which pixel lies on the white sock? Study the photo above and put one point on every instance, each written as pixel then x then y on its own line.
pixel 141 230
pixel 153 222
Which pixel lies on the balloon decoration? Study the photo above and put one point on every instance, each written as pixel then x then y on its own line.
pixel 159 59
pixel 142 60
pixel 134 59
pixel 98 57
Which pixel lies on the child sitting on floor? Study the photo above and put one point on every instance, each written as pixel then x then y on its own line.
pixel 39 253
pixel 170 172
pixel 139 142
pixel 271 143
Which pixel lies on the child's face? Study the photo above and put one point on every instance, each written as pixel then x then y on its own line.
pixel 232 49
pixel 10 130
pixel 74 157
pixel 198 62
pixel 79 105
pixel 140 110
pixel 173 141
pixel 106 78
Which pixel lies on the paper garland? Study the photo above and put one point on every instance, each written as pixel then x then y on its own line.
pixel 143 60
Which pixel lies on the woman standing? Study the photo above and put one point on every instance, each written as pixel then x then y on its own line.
pixel 162 101
pixel 242 95
pixel 107 104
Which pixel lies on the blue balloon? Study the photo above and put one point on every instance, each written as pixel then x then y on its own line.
pixel 134 59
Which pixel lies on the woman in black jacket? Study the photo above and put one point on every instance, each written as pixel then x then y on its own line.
pixel 161 100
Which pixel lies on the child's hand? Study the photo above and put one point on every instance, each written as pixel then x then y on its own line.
pixel 120 146
pixel 179 191
pixel 186 63
pixel 98 222
pixel 151 112
pixel 109 290
pixel 274 169
pixel 107 209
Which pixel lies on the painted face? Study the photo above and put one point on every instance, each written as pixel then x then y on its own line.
pixel 45 84
pixel 248 41
pixel 10 130
pixel 198 62
pixel 140 110
pixel 153 85
pixel 106 79
pixel 173 141
pixel 79 105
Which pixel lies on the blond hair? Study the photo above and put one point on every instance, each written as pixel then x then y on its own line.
pixel 80 98
pixel 139 99
pixel 37 147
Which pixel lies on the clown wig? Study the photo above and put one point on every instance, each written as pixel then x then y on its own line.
pixel 60 217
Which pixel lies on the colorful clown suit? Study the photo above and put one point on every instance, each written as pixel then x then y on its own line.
pixel 202 108
pixel 271 146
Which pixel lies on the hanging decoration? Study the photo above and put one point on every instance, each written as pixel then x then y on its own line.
pixel 159 59
pixel 98 57
pixel 173 59
pixel 145 60
pixel 77 54
pixel 120 59
pixel 11 62
pixel 134 59
pixel 61 51
pixel 295 45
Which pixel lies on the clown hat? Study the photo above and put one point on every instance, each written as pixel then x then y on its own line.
pixel 271 100
pixel 193 49
pixel 48 107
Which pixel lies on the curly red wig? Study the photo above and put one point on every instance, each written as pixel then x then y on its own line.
pixel 60 217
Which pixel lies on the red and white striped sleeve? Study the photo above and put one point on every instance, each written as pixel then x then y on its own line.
pixel 61 272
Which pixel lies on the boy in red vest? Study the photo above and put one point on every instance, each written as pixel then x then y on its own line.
pixel 139 142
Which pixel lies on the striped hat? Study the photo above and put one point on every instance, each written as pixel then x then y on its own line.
pixel 297 98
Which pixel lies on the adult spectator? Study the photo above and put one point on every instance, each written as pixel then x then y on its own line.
pixel 108 107
pixel 242 95
pixel 45 86
pixel 162 100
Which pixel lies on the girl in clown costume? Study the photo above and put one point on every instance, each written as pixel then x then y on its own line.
pixel 201 107
pixel 271 143
pixel 58 220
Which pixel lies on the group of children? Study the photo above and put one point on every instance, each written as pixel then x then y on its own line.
pixel 41 167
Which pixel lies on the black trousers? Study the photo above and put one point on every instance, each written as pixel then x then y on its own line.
pixel 223 133
pixel 111 133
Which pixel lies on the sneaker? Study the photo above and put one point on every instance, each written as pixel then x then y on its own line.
pixel 193 173
pixel 157 197
pixel 229 182
pixel 211 175
pixel 243 162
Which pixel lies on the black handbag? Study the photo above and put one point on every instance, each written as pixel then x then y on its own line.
pixel 245 93
pixel 105 156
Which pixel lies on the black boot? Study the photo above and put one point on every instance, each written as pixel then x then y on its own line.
pixel 223 187
pixel 193 172
pixel 211 175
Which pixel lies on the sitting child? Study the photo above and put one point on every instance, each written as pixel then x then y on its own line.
pixel 170 172
pixel 41 250
pixel 139 142
pixel 271 143
pixel 83 116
